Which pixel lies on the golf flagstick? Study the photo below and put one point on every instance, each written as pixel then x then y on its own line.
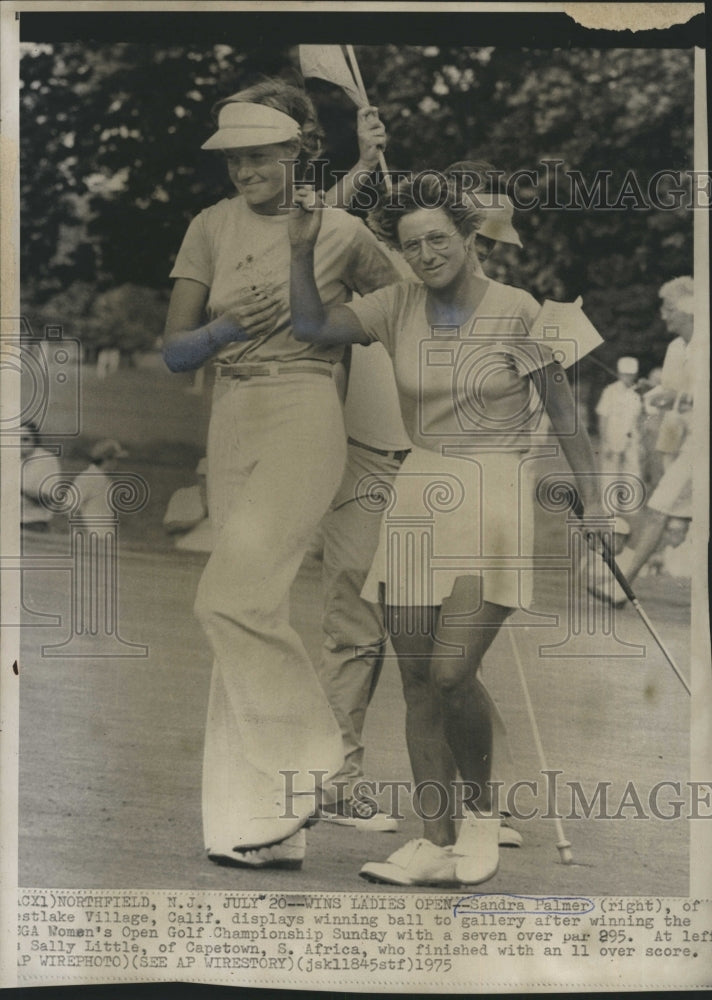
pixel 563 844
pixel 359 83
pixel 610 561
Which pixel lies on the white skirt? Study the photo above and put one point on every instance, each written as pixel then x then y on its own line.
pixel 453 517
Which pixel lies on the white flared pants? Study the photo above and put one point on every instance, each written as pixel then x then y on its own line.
pixel 276 453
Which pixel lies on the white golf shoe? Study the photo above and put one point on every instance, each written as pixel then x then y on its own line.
pixel 287 853
pixel 509 837
pixel 419 862
pixel 476 849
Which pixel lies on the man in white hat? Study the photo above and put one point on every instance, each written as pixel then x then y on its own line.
pixel 619 411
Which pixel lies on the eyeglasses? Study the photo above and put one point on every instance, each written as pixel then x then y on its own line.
pixel 437 241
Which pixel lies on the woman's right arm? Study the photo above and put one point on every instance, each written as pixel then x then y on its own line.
pixel 189 343
pixel 310 320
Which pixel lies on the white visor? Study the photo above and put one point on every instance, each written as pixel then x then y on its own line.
pixel 241 124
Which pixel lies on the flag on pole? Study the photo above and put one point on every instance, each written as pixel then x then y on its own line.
pixel 328 62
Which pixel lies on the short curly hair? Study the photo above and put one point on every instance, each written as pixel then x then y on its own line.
pixel 679 292
pixel 428 189
pixel 290 100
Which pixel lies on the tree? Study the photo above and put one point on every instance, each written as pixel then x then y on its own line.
pixel 112 169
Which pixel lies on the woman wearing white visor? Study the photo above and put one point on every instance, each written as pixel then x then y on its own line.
pixel 276 449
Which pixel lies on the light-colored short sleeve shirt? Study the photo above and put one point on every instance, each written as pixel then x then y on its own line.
pixel 231 249
pixel 460 385
pixel 620 406
pixel 677 371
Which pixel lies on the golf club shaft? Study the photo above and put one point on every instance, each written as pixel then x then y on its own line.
pixel 563 844
pixel 661 647
pixel 628 591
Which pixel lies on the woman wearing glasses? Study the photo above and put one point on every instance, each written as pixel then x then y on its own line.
pixel 469 380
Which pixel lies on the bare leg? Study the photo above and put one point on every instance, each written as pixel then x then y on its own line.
pixel 430 757
pixel 463 636
pixel 448 711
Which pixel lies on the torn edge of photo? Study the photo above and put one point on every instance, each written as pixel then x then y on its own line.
pixel 354 437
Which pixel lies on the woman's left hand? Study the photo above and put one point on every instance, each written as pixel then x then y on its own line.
pixel 371 137
pixel 305 218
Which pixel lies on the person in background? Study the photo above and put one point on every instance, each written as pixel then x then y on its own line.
pixel 107 361
pixel 672 497
pixel 674 548
pixel 38 465
pixel 353 649
pixel 619 412
pixel 93 483
pixel 188 505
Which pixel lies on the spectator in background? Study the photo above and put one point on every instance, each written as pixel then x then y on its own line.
pixel 38 465
pixel 672 498
pixel 107 361
pixel 94 482
pixel 187 514
pixel 619 410
pixel 674 548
